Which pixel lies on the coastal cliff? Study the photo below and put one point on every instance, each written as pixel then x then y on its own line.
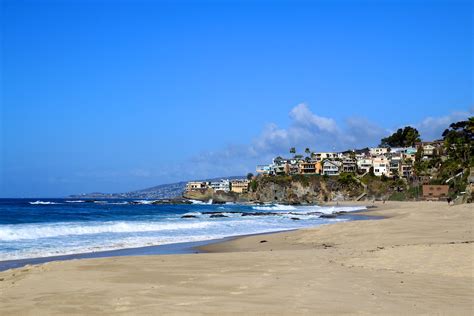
pixel 303 189
pixel 295 189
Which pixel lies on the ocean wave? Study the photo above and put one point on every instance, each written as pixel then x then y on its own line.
pixel 275 207
pixel 143 202
pixel 192 214
pixel 32 231
pixel 196 202
pixel 43 203
pixel 76 201
pixel 105 245
pixel 305 209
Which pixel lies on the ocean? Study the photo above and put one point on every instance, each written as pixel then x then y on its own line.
pixel 36 228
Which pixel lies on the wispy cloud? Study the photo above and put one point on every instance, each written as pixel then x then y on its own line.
pixel 433 127
pixel 308 129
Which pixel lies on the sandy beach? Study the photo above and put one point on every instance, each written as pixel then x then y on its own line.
pixel 418 260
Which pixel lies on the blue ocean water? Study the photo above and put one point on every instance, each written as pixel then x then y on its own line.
pixel 53 227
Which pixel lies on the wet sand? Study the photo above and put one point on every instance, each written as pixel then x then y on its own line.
pixel 418 260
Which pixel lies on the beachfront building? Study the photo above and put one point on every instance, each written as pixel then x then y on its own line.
pixel 222 185
pixel 265 169
pixel 395 163
pixel 378 151
pixel 328 155
pixel 239 186
pixel 364 164
pixel 406 168
pixel 349 165
pixel 309 167
pixel 381 166
pixel 279 166
pixel 331 167
pixel 196 185
pixel 430 149
pixel 409 153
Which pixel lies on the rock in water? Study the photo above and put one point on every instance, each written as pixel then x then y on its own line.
pixel 217 215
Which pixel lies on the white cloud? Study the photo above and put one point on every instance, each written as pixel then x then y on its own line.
pixel 308 129
pixel 303 117
pixel 432 127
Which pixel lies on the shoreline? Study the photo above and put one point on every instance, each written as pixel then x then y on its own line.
pixel 418 260
pixel 179 248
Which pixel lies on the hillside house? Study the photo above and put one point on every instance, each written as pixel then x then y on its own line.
pixel 196 185
pixel 222 185
pixel 324 156
pixel 265 169
pixel 308 167
pixel 395 164
pixel 364 164
pixel 381 166
pixel 406 169
pixel 378 151
pixel 331 167
pixel 349 165
pixel 239 186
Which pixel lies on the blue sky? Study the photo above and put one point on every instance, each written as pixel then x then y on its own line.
pixel 113 96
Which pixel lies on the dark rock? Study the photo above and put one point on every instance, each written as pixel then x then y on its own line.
pixel 314 213
pixel 218 202
pixel 217 215
pixel 262 241
pixel 295 218
pixel 328 216
pixel 259 214
pixel 217 212
pixel 189 216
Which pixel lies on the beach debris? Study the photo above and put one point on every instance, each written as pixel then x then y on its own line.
pixel 262 241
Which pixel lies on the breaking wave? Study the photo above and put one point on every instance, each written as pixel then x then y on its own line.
pixel 29 231
pixel 43 203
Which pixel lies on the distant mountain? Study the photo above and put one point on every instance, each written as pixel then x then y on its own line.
pixel 162 191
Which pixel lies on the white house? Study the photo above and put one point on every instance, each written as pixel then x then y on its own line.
pixel 364 164
pixel 265 169
pixel 223 185
pixel 377 151
pixel 428 150
pixel 331 168
pixel 328 155
pixel 381 166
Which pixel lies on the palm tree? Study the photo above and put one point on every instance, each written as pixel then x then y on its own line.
pixel 307 151
pixel 292 150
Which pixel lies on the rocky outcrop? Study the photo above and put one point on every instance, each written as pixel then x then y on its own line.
pixel 218 197
pixel 287 190
pixel 302 190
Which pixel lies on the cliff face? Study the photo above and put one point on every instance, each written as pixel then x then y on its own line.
pixel 286 189
pixel 302 190
pixel 216 197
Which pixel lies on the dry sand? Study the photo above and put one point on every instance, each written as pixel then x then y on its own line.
pixel 419 260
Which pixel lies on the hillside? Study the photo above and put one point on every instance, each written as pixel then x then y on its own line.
pixel 162 191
